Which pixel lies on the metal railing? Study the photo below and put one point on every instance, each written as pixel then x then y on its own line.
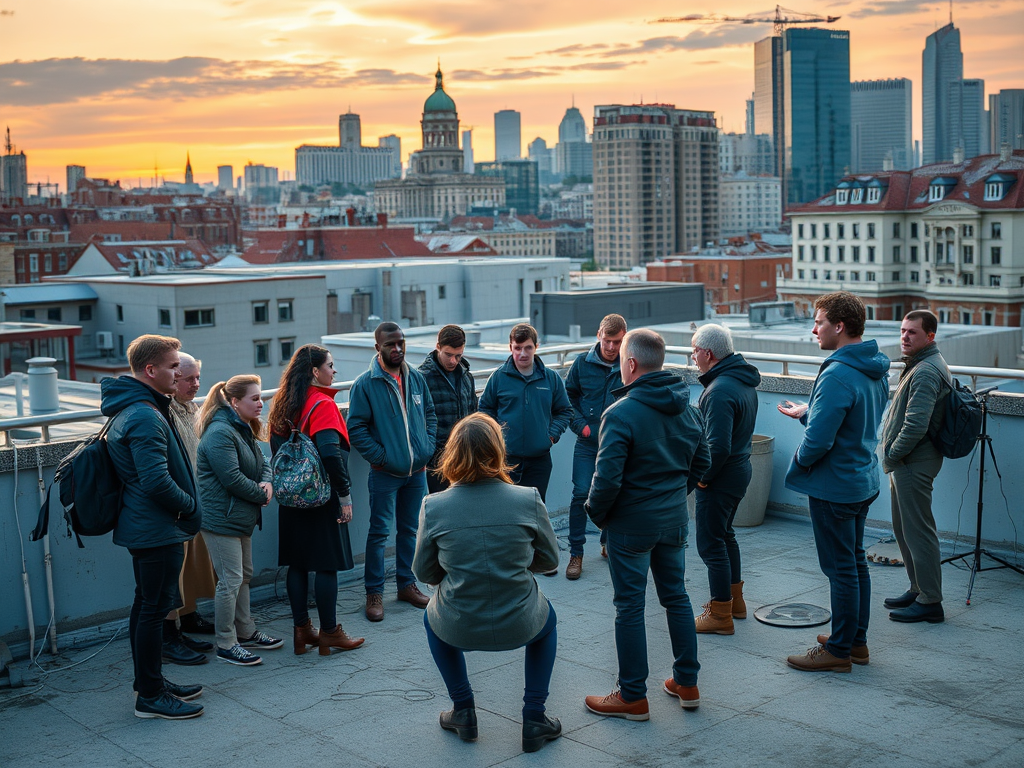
pixel 562 353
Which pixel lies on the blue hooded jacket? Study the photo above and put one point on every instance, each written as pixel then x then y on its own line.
pixel 836 459
pixel 589 384
pixel 393 434
pixel 533 412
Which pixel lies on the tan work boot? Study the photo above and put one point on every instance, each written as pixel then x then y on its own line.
pixel 716 619
pixel 574 568
pixel 739 608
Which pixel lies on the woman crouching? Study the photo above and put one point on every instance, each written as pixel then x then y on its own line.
pixel 479 543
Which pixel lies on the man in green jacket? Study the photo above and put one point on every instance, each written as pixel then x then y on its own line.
pixel 912 462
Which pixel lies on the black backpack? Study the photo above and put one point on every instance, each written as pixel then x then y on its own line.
pixel 89 489
pixel 961 422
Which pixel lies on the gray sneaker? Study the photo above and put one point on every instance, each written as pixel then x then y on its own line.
pixel 236 654
pixel 261 640
pixel 166 707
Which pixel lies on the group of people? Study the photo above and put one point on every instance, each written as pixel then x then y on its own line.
pixel 463 481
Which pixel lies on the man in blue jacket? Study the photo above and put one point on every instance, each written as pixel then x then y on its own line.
pixel 729 407
pixel 650 456
pixel 836 466
pixel 391 423
pixel 159 511
pixel 589 384
pixel 530 403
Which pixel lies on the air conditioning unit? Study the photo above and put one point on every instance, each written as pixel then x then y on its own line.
pixel 104 340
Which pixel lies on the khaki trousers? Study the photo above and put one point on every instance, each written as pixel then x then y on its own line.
pixel 910 487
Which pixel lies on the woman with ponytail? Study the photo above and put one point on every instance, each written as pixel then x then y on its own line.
pixel 315 539
pixel 234 486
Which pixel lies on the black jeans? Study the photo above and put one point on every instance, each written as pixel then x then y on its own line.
pixel 532 472
pixel 716 539
pixel 156 589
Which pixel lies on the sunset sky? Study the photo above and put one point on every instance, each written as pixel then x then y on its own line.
pixel 122 86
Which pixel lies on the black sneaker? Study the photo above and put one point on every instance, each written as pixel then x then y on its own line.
pixel 176 652
pixel 199 646
pixel 536 733
pixel 261 640
pixel 196 624
pixel 166 707
pixel 183 692
pixel 236 654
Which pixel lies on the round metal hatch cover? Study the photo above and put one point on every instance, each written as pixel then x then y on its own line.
pixel 792 615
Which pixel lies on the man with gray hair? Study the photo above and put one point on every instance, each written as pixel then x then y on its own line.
pixel 651 452
pixel 729 407
pixel 196 578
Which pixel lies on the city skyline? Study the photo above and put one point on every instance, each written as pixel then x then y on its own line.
pixel 248 80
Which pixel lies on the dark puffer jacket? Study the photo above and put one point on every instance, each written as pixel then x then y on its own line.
pixel 729 407
pixel 651 454
pixel 160 505
pixel 589 385
pixel 230 467
pixel 451 402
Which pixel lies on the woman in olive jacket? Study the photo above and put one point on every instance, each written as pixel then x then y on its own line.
pixel 234 486
pixel 479 543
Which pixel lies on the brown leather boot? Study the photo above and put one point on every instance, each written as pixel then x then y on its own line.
pixel 305 635
pixel 739 608
pixel 337 639
pixel 716 619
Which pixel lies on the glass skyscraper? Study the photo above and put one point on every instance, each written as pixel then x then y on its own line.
pixel 522 190
pixel 816 82
pixel 942 68
pixel 881 120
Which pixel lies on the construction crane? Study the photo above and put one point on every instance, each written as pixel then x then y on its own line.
pixel 783 18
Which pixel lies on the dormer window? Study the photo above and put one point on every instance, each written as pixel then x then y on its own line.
pixel 936 192
pixel 843 197
pixel 874 195
pixel 994 190
pixel 997 185
pixel 858 197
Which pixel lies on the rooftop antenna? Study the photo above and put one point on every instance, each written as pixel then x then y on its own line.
pixel 8 147
pixel 950 11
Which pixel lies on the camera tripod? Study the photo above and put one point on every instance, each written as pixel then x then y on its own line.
pixel 986 445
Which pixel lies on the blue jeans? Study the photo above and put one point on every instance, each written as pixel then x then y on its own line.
pixel 540 660
pixel 399 498
pixel 584 459
pixel 156 592
pixel 531 472
pixel 839 538
pixel 630 556
pixel 716 539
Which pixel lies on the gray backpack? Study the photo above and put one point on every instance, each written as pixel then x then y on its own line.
pixel 299 477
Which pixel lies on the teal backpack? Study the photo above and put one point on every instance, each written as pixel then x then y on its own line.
pixel 299 477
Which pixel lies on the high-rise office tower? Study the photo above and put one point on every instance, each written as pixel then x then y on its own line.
pixel 225 173
pixel 1006 119
pixel 75 174
pixel 574 156
pixel 544 156
pixel 13 172
pixel 350 131
pixel 508 142
pixel 748 122
pixel 816 74
pixel 966 119
pixel 942 66
pixel 522 190
pixel 467 151
pixel 769 97
pixel 393 143
pixel 655 182
pixel 881 125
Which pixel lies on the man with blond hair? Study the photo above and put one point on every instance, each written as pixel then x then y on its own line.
pixel 159 511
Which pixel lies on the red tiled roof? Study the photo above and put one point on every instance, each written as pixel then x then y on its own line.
pixel 282 246
pixel 908 190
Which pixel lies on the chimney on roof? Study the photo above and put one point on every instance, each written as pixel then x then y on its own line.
pixel 958 155
pixel 1004 152
pixel 382 220
pixel 350 216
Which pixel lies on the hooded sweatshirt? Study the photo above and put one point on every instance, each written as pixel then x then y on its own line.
pixel 836 459
pixel 160 505
pixel 651 453
pixel 729 407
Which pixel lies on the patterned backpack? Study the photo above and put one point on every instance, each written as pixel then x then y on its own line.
pixel 299 477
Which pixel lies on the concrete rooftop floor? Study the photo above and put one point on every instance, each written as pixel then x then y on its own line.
pixel 933 695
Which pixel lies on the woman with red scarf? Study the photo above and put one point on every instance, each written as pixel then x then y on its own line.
pixel 315 539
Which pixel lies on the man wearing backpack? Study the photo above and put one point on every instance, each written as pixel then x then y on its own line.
pixel 159 511
pixel 912 461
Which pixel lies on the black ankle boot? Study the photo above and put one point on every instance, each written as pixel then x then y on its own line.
pixel 462 721
pixel 536 733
